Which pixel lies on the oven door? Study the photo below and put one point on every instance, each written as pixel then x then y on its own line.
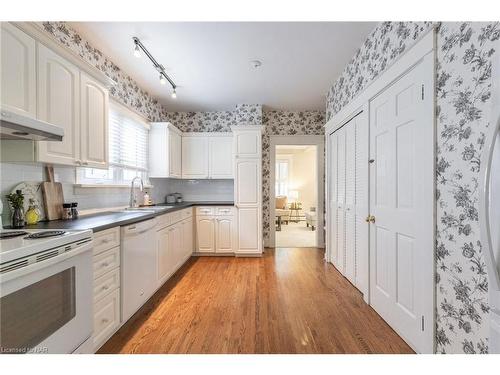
pixel 46 307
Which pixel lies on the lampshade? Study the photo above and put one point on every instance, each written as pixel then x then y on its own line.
pixel 293 195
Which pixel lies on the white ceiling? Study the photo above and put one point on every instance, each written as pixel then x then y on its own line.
pixel 210 61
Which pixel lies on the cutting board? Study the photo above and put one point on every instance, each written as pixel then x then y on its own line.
pixel 53 198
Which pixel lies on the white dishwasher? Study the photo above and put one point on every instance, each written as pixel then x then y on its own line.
pixel 138 271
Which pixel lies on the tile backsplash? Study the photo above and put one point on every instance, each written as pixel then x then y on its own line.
pixel 194 190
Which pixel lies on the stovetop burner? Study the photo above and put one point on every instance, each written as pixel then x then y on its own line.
pixel 49 233
pixel 16 233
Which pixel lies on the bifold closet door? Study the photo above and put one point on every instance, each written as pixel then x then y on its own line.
pixel 341 169
pixel 350 201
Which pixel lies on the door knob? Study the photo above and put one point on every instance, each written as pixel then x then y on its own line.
pixel 370 219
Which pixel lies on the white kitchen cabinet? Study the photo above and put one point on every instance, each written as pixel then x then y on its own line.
pixel 195 159
pixel 247 141
pixel 58 98
pixel 248 188
pixel 205 234
pixel 93 123
pixel 225 234
pixel 164 255
pixel 17 71
pixel 165 144
pixel 175 243
pixel 106 318
pixel 187 237
pixel 247 182
pixel 220 157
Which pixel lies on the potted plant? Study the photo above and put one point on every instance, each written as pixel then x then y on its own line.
pixel 16 202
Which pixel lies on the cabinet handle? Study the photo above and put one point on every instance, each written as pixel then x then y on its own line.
pixel 104 320
pixel 78 162
pixel 105 287
pixel 104 264
pixel 105 240
pixel 85 163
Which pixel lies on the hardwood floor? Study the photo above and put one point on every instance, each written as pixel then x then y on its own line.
pixel 288 301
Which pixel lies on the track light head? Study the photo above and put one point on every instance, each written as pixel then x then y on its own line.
pixel 137 51
pixel 163 80
pixel 174 94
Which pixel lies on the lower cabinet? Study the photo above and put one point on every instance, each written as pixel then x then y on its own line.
pixel 107 284
pixel 249 231
pixel 164 253
pixel 215 230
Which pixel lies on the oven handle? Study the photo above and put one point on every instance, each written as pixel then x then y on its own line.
pixel 45 263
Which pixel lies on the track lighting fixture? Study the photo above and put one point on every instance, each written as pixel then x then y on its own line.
pixel 164 78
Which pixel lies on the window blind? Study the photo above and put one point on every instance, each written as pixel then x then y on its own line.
pixel 128 140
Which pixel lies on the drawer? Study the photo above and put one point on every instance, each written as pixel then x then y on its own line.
pixel 106 261
pixel 204 210
pixel 228 210
pixel 106 318
pixel 106 240
pixel 175 217
pixel 187 212
pixel 106 283
pixel 163 221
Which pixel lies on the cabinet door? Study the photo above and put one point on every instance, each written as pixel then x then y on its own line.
pixel 17 71
pixel 205 233
pixel 175 155
pixel 164 256
pixel 94 123
pixel 58 98
pixel 224 235
pixel 249 231
pixel 194 157
pixel 221 157
pixel 247 144
pixel 187 237
pixel 247 184
pixel 175 243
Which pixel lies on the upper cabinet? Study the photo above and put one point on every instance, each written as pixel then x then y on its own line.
pixel 207 155
pixel 247 141
pixel 44 80
pixel 58 97
pixel 220 157
pixel 165 145
pixel 195 156
pixel 17 70
pixel 94 99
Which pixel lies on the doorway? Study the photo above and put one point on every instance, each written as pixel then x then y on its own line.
pixel 296 212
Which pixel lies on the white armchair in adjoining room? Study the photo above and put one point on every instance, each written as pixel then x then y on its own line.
pixel 311 218
pixel 281 209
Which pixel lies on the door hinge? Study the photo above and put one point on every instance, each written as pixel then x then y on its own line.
pixel 423 323
pixel 422 92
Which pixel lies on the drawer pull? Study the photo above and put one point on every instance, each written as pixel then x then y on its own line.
pixel 104 264
pixel 105 287
pixel 104 320
pixel 105 240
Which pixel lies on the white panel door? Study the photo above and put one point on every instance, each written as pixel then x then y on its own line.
pixel 187 237
pixel 58 98
pixel 333 197
pixel 175 243
pixel 401 201
pixel 164 256
pixel 205 234
pixel 224 235
pixel 194 157
pixel 175 154
pixel 350 202
pixel 341 254
pixel 247 185
pixel 94 123
pixel 17 71
pixel 249 231
pixel 248 144
pixel 221 157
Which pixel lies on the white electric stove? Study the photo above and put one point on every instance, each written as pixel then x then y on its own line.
pixel 45 290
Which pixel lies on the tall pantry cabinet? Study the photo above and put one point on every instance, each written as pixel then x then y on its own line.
pixel 247 141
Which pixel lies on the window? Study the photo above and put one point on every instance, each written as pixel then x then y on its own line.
pixel 282 171
pixel 128 150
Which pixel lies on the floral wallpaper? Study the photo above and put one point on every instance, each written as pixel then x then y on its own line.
pixel 464 58
pixel 126 91
pixel 201 121
pixel 250 114
pixel 382 47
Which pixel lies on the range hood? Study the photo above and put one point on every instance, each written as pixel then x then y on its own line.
pixel 18 127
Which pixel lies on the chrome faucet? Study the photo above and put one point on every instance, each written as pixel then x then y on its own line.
pixel 133 196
